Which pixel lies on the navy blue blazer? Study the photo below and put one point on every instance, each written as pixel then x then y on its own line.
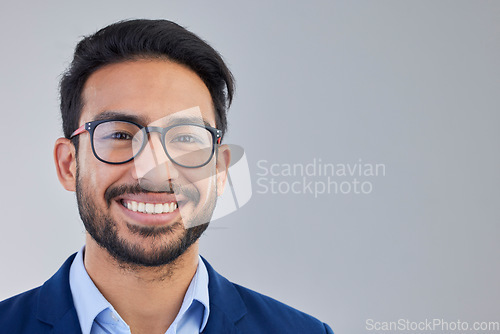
pixel 233 309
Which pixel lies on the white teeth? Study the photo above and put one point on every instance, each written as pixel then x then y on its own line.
pixel 150 208
pixel 166 207
pixel 141 206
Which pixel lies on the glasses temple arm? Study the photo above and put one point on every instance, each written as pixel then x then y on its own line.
pixel 78 131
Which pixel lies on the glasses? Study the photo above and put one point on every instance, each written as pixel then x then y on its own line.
pixel 118 142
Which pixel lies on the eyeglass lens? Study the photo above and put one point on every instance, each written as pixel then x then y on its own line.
pixel 187 145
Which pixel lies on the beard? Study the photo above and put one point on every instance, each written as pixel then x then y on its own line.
pixel 105 231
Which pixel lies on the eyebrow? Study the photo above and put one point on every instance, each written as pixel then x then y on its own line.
pixel 119 115
pixel 124 116
pixel 185 120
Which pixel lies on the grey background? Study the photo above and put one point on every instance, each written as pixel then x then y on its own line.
pixel 410 84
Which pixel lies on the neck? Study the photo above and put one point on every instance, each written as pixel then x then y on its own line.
pixel 148 299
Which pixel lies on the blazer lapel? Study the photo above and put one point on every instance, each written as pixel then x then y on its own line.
pixel 226 305
pixel 219 323
pixel 55 303
pixel 69 323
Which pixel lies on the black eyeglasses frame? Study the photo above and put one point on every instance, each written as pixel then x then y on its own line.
pixel 90 127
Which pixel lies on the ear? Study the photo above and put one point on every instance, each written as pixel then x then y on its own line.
pixel 65 160
pixel 223 161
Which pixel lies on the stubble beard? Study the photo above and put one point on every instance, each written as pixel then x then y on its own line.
pixel 151 252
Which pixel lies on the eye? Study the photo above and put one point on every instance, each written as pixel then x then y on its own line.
pixel 184 139
pixel 120 136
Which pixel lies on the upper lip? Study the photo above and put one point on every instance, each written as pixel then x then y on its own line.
pixel 155 198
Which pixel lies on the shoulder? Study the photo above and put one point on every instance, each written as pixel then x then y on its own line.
pixel 271 313
pixel 18 313
pixel 252 312
pixel 37 310
pixel 18 305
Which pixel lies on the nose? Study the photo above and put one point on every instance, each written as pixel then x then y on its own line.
pixel 153 169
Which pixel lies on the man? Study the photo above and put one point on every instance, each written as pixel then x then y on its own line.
pixel 144 112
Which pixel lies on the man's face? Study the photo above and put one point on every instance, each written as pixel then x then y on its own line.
pixel 152 92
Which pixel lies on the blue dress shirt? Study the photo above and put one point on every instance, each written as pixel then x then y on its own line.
pixel 97 316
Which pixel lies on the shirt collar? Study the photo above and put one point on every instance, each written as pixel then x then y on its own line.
pixel 197 291
pixel 89 302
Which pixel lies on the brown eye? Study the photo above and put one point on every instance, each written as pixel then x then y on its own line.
pixel 120 136
pixel 184 139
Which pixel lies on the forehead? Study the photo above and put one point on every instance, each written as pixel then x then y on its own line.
pixel 149 90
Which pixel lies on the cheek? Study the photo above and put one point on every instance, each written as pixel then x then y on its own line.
pixel 95 175
pixel 203 179
pixel 85 164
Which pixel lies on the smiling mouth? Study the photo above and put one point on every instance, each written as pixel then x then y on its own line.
pixel 149 208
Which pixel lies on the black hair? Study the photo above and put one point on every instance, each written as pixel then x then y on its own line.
pixel 144 39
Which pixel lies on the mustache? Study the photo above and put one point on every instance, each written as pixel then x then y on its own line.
pixel 113 192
